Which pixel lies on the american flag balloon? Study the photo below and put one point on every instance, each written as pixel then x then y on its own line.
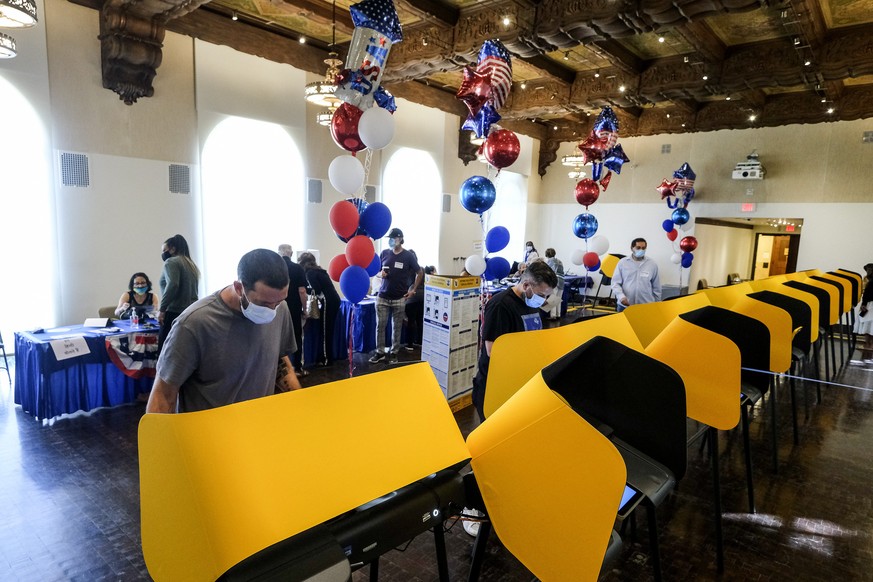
pixel 379 15
pixel 494 59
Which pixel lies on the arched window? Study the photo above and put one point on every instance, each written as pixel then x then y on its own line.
pixel 412 189
pixel 510 210
pixel 27 226
pixel 252 194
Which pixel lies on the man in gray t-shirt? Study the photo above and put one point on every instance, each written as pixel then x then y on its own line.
pixel 226 347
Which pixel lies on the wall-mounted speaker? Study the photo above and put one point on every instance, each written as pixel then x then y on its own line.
pixel 180 179
pixel 313 191
pixel 447 202
pixel 74 170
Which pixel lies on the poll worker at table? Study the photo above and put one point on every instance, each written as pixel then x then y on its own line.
pixel 296 300
pixel 635 279
pixel 515 309
pixel 226 347
pixel 179 280
pixel 138 296
pixel 399 267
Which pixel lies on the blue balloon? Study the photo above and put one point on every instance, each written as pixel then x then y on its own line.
pixel 667 225
pixel 497 239
pixel 375 266
pixel 687 259
pixel 681 216
pixel 585 225
pixel 376 220
pixel 496 268
pixel 354 283
pixel 594 268
pixel 478 194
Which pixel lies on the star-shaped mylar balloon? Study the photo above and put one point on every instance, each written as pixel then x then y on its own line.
pixel 475 89
pixel 667 188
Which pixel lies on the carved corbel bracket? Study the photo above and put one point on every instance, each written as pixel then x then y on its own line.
pixel 466 150
pixel 130 52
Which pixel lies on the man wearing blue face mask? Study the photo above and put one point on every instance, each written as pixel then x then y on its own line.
pixel 226 347
pixel 636 279
pixel 512 310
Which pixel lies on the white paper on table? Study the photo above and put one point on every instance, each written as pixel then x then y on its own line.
pixel 71 347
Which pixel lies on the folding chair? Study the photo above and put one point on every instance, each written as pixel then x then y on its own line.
pixel 5 360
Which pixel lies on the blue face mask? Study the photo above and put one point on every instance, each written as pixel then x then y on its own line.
pixel 140 290
pixel 534 302
pixel 392 242
pixel 639 253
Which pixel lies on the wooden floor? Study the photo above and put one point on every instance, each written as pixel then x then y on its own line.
pixel 69 500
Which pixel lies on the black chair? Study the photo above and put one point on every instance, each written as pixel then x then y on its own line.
pixel 825 328
pixel 856 296
pixel 5 360
pixel 841 290
pixel 639 403
pixel 753 340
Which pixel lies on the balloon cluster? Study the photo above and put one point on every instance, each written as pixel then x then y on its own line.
pixel 357 223
pixel 679 191
pixel 490 268
pixel 601 148
pixel 485 89
pixel 357 124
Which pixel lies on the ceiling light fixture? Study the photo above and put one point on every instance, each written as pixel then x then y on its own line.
pixel 796 41
pixel 17 13
pixel 7 47
pixel 753 117
pixel 576 159
pixel 621 88
pixel 576 174
pixel 234 17
pixel 567 56
pixel 728 98
pixel 523 85
pixel 323 92
pixel 661 39
pixel 324 117
pixel 806 63
pixel 824 100
pixel 668 116
pixel 596 74
pixel 302 40
pixel 505 21
pixel 554 128
pixel 830 110
pixel 424 41
pixel 706 77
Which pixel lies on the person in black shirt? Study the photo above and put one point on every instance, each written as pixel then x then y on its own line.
pixel 320 284
pixel 399 267
pixel 296 300
pixel 512 310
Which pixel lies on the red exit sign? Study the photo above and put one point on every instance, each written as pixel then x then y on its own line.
pixel 789 228
pixel 747 207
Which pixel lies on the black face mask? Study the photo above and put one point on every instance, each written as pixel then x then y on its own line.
pixel 165 255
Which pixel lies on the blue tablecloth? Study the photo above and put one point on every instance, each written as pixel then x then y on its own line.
pixel 364 332
pixel 46 387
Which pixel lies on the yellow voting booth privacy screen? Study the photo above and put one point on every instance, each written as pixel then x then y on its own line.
pixel 220 485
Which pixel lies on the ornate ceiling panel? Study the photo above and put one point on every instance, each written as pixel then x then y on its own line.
pixel 788 61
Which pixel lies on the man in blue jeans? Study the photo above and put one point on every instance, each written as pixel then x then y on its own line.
pixel 399 267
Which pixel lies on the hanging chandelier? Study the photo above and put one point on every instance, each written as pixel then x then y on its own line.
pixel 575 160
pixel 323 93
pixel 324 117
pixel 7 47
pixel 17 13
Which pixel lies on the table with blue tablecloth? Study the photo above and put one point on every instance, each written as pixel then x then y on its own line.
pixel 118 367
pixel 363 332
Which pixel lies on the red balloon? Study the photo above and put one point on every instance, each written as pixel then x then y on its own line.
pixel 590 259
pixel 587 192
pixel 688 244
pixel 360 251
pixel 336 267
pixel 344 218
pixel 501 148
pixel 344 128
pixel 604 181
pixel 475 89
pixel 673 234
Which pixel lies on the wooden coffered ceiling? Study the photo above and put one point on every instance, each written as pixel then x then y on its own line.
pixel 665 66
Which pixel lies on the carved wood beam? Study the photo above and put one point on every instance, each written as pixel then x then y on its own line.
pixel 445 13
pixel 812 21
pixel 620 57
pixel 847 54
pixel 324 12
pixel 706 44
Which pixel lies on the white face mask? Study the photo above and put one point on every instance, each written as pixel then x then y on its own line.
pixel 392 242
pixel 536 301
pixel 257 313
pixel 639 253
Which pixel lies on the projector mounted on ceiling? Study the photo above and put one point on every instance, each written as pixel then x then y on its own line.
pixel 751 169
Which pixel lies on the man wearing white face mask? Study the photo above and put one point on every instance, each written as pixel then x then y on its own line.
pixel 512 310
pixel 226 347
pixel 636 278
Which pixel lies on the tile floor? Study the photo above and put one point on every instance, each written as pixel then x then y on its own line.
pixel 69 503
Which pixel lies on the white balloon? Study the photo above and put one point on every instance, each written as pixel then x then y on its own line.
pixel 676 258
pixel 475 265
pixel 376 128
pixel 576 257
pixel 687 226
pixel 598 244
pixel 346 174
